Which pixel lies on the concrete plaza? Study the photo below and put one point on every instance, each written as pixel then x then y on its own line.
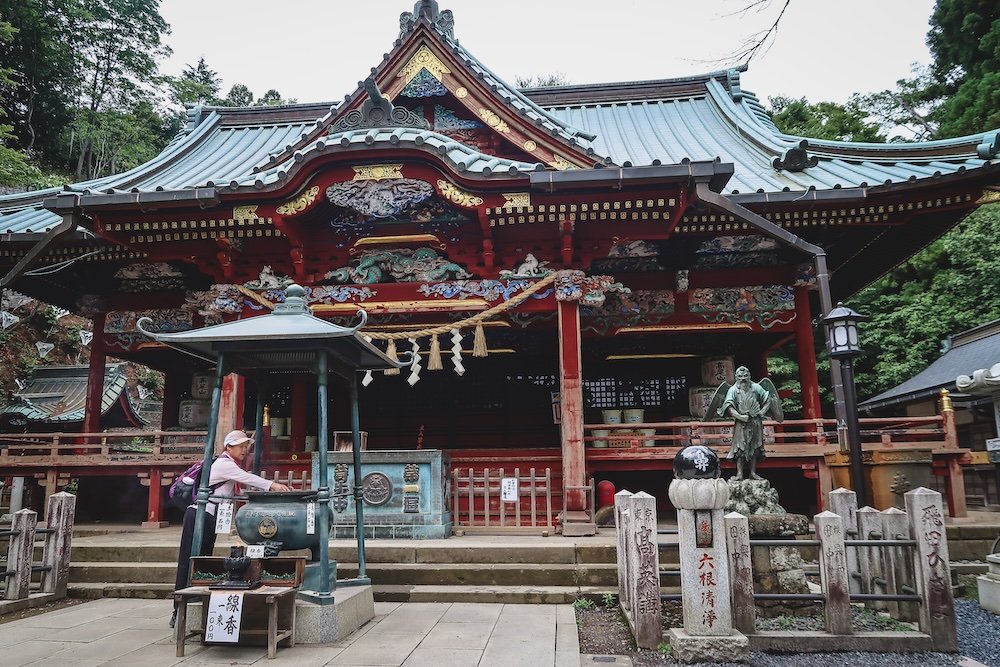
pixel 133 632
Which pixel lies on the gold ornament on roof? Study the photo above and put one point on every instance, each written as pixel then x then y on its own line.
pixel 245 212
pixel 459 197
pixel 516 200
pixel 494 121
pixel 299 204
pixel 990 195
pixel 530 145
pixel 461 92
pixel 377 172
pixel 424 58
pixel 561 163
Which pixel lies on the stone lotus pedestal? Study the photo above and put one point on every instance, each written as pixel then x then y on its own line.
pixel 708 634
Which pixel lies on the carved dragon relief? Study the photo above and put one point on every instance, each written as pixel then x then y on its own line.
pixel 405 265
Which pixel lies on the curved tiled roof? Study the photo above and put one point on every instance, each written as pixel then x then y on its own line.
pixel 459 156
pixel 657 122
pixel 59 393
pixel 716 122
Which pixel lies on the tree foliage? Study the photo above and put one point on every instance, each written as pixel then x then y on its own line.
pixel 541 80
pixel 824 120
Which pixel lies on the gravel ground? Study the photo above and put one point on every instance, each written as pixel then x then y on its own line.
pixel 603 631
pixel 978 633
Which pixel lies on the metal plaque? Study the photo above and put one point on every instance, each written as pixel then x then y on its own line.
pixel 377 488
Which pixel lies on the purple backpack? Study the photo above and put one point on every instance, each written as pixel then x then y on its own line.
pixel 184 490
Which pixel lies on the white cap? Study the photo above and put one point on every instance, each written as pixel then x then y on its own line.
pixel 234 438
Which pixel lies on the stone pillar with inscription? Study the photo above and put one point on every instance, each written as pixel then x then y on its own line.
pixel 924 510
pixel 644 566
pixel 699 496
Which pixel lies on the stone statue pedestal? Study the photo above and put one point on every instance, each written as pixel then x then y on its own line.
pixel 779 569
pixel 752 496
pixel 708 634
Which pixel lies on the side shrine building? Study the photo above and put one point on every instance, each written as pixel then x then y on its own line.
pixel 564 260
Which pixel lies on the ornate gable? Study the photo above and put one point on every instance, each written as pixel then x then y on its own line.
pixel 429 75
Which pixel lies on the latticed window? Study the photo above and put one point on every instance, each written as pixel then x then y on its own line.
pixel 601 393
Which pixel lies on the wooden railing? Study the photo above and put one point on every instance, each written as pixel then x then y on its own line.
pixel 794 434
pixel 76 448
pixel 477 501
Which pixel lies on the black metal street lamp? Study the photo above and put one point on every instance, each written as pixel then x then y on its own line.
pixel 844 344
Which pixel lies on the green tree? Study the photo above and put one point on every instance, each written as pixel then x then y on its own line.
pixel 14 167
pixel 238 96
pixel 824 120
pixel 946 288
pixel 964 39
pixel 38 95
pixel 197 84
pixel 119 70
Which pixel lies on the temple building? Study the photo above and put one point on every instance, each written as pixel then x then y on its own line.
pixel 561 260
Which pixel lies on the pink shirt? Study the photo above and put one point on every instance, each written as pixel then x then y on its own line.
pixel 227 473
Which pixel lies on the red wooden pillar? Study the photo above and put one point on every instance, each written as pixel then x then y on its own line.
pixel 571 393
pixel 230 407
pixel 806 356
pixel 300 398
pixel 95 377
pixel 154 513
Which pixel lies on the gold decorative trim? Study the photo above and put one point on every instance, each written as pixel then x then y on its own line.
pixel 494 121
pixel 395 240
pixel 245 212
pixel 299 204
pixel 424 58
pixel 377 172
pixel 654 328
pixel 459 197
pixel 461 92
pixel 990 195
pixel 530 145
pixel 373 307
pixel 516 200
pixel 561 163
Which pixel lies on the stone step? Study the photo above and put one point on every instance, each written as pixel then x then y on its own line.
pixel 395 593
pixel 405 574
pixel 375 553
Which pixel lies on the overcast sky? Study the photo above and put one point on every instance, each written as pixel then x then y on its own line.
pixel 313 50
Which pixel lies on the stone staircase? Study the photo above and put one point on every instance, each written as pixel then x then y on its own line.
pixel 482 569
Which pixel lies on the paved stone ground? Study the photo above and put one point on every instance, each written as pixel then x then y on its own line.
pixel 130 632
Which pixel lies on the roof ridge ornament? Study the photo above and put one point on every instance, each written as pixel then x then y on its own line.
pixel 795 158
pixel 990 147
pixel 376 112
pixel 427 10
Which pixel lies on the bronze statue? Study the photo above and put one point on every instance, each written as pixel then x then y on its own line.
pixel 749 403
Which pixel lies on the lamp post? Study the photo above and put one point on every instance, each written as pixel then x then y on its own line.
pixel 843 344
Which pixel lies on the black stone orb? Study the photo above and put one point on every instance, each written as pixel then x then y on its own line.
pixel 696 462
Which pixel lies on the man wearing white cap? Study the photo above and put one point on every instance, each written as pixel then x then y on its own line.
pixel 226 474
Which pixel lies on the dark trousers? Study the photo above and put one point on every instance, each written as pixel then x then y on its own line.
pixel 187 536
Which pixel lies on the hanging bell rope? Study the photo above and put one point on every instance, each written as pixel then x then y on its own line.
pixel 434 360
pixel 479 348
pixel 390 352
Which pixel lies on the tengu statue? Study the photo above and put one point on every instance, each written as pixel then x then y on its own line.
pixel 749 403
